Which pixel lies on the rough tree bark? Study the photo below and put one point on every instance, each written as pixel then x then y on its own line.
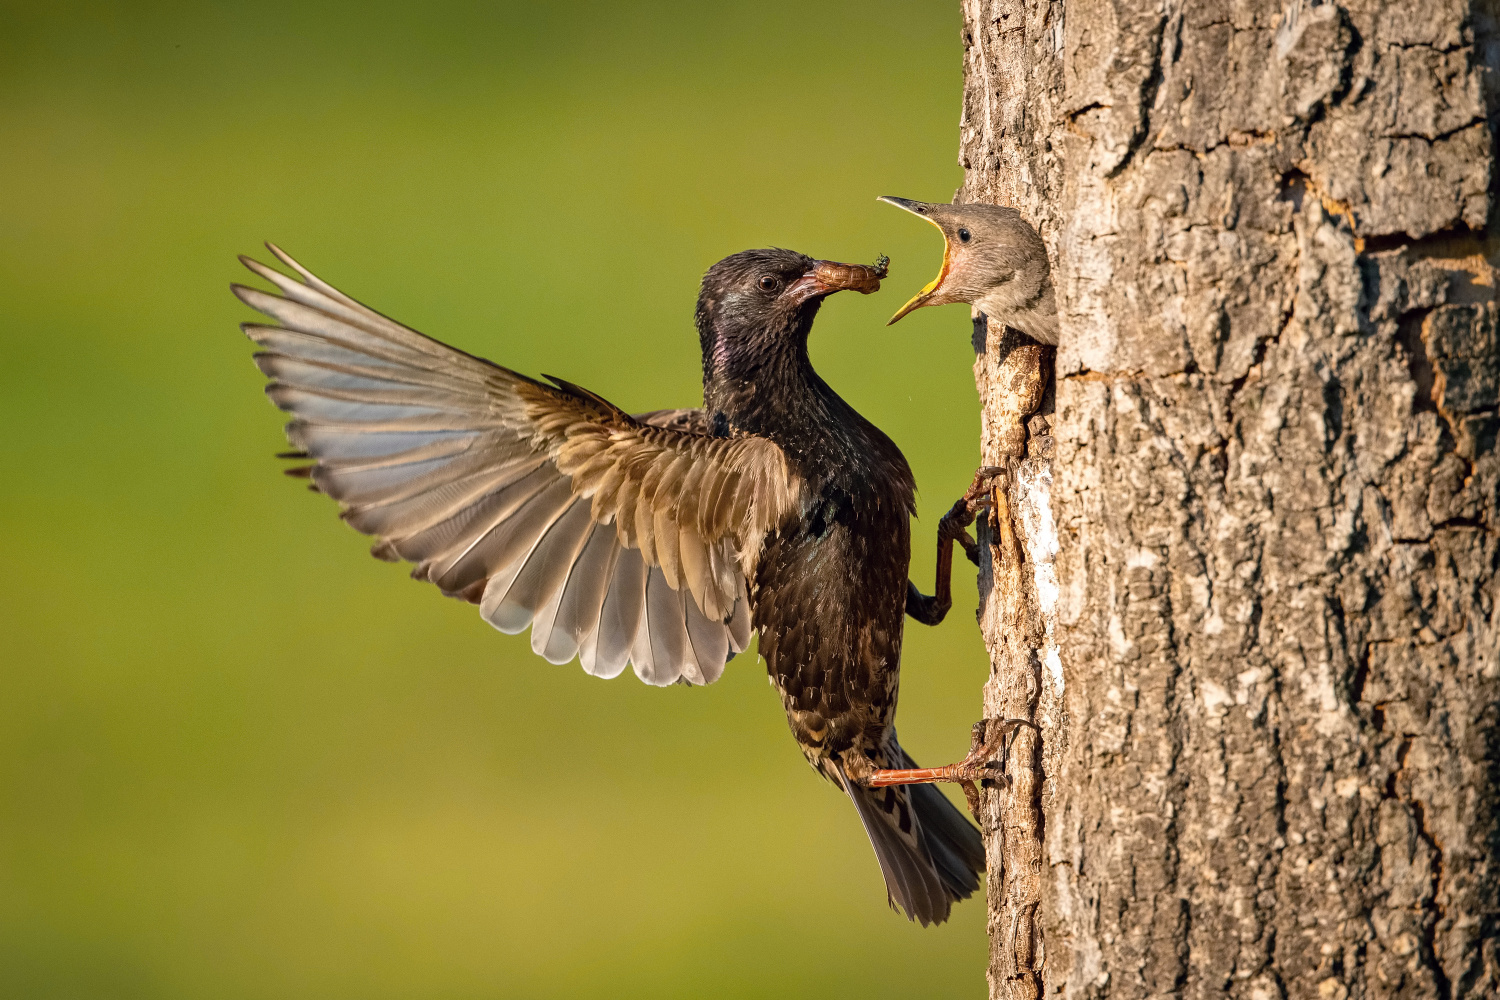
pixel 1266 675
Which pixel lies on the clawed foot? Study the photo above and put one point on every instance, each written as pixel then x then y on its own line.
pixel 951 528
pixel 984 762
pixel 983 484
pixel 962 514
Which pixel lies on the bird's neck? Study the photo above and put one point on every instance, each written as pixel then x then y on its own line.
pixel 773 393
pixel 757 377
pixel 1026 303
pixel 776 394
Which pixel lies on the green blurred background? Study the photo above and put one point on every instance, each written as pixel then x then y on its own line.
pixel 240 758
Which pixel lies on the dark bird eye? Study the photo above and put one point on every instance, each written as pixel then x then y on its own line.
pixel 769 283
pixel 963 236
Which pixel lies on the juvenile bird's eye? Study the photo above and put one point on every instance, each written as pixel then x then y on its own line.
pixel 769 283
pixel 963 236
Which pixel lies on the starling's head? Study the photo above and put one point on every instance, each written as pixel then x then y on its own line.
pixel 985 249
pixel 757 301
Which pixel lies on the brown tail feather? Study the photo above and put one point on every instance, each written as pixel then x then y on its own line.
pixel 930 855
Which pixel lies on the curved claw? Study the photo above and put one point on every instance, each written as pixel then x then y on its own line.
pixel 984 483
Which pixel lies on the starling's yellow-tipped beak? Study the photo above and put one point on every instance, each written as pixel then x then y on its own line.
pixel 919 300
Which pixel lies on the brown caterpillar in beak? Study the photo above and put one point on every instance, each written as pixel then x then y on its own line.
pixel 853 277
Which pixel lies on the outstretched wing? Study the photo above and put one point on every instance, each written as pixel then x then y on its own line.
pixel 616 539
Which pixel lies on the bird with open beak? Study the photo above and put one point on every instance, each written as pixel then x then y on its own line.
pixel 658 540
pixel 992 259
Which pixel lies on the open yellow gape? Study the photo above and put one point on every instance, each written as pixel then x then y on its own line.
pixel 918 300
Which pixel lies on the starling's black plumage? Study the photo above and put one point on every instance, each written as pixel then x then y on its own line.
pixel 658 540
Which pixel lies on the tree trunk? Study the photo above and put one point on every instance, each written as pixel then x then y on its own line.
pixel 1264 671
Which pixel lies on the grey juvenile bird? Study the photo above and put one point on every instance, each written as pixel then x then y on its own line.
pixel 992 259
pixel 662 539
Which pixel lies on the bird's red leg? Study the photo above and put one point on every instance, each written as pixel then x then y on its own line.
pixel 984 762
pixel 974 766
pixel 952 528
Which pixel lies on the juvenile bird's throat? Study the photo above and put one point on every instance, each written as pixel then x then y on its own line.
pixel 928 290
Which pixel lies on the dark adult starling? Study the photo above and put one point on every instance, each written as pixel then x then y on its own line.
pixel 992 259
pixel 661 539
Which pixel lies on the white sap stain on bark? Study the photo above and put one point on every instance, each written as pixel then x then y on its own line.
pixel 1034 496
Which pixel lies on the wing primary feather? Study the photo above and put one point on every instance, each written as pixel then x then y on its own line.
pixel 573 614
pixel 663 634
pixel 405 516
pixel 640 645
pixel 385 322
pixel 368 486
pixel 337 442
pixel 691 671
pixel 445 541
pixel 329 300
pixel 620 616
pixel 708 641
pixel 332 409
pixel 545 571
pixel 507 540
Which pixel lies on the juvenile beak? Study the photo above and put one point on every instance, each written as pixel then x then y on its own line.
pixel 827 276
pixel 917 301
